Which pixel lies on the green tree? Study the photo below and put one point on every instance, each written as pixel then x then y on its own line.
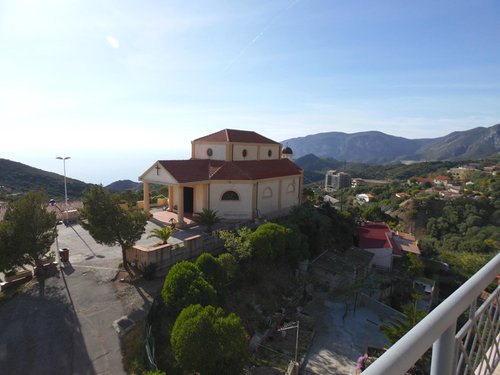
pixel 314 225
pixel 184 286
pixel 413 265
pixel 109 224
pixel 207 342
pixel 270 241
pixel 399 326
pixel 207 217
pixel 228 262
pixel 238 242
pixel 27 231
pixel 163 234
pixel 212 270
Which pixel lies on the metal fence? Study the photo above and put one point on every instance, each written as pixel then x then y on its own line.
pixel 474 349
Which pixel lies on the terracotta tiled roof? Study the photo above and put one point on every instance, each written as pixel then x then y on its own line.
pixel 190 170
pixel 377 235
pixel 231 135
pixel 372 235
pixel 204 169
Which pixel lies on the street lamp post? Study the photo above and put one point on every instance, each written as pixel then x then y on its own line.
pixel 52 202
pixel 65 186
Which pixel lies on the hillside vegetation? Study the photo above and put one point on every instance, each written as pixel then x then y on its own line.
pixel 17 178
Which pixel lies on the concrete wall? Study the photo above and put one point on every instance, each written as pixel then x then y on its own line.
pixel 382 258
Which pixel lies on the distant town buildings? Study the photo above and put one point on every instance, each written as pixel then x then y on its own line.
pixel 357 182
pixel 462 173
pixel 337 180
pixel 364 198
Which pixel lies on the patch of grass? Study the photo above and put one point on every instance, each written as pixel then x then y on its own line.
pixel 133 351
pixel 6 295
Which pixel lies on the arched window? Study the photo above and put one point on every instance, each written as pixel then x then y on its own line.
pixel 230 195
pixel 290 188
pixel 269 153
pixel 244 153
pixel 267 193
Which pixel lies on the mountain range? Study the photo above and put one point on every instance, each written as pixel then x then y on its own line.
pixel 377 147
pixel 314 153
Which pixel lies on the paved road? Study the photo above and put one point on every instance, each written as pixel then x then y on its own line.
pixel 340 340
pixel 65 327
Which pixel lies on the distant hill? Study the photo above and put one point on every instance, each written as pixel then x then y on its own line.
pixel 122 185
pixel 376 147
pixel 20 178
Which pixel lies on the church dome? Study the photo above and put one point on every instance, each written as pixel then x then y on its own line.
pixel 287 151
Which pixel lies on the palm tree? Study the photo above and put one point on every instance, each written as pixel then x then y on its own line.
pixel 207 217
pixel 162 234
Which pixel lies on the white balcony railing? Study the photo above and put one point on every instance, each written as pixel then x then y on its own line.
pixel 474 349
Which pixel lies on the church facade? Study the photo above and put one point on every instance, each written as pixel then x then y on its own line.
pixel 240 174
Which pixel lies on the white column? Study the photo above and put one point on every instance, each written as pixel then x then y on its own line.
pixel 147 207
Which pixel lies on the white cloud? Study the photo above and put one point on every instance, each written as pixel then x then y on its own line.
pixel 112 41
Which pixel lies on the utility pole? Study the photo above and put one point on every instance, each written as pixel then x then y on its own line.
pixel 286 327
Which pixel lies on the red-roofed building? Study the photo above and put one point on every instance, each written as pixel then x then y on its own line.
pixel 240 174
pixel 379 239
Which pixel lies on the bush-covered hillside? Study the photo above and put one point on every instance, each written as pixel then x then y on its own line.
pixel 17 178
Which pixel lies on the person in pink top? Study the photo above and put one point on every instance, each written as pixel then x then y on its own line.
pixel 361 364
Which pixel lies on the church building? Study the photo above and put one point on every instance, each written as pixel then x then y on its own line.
pixel 240 174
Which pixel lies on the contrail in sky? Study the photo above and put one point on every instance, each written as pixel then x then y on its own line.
pixel 259 35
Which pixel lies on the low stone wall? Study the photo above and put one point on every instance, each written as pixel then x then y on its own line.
pixel 19 278
pixel 164 256
pixel 382 309
pixel 19 275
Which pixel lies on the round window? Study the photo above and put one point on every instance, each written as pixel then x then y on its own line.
pixel 269 153
pixel 210 152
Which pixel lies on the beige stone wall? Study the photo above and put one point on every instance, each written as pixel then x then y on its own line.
pixel 241 209
pixel 200 151
pixel 264 152
pixel 268 197
pixel 238 152
pixel 290 192
pixel 199 201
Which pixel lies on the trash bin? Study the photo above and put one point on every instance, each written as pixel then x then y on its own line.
pixel 64 254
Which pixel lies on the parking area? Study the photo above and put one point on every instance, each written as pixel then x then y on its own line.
pixel 64 325
pixel 341 337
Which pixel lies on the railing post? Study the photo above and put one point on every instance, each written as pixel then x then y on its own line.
pixel 444 351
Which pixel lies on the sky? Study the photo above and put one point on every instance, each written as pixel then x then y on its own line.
pixel 119 84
